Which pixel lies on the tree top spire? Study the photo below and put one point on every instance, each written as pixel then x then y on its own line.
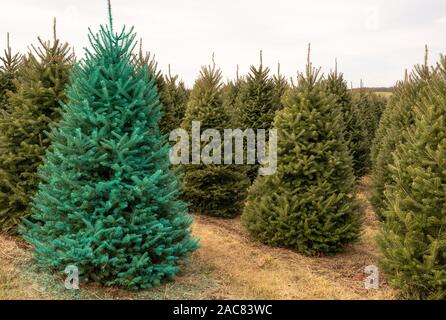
pixel 8 50
pixel 140 47
pixel 311 75
pixel 54 29
pixel 309 55
pixel 110 18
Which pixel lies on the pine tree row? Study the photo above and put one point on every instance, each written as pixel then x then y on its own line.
pixel 85 174
pixel 409 183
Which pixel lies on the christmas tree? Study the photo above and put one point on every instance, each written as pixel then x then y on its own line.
pixel 308 204
pixel 353 132
pixel 368 107
pixel 213 189
pixel 108 202
pixel 9 68
pixel 172 92
pixel 230 92
pixel 398 116
pixel 280 84
pixel 413 236
pixel 257 104
pixel 32 108
pixel 174 97
pixel 146 60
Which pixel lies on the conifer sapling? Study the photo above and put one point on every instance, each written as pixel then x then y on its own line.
pixel 32 108
pixel 308 204
pixel 109 202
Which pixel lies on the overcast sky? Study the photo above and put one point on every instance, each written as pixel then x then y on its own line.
pixel 372 40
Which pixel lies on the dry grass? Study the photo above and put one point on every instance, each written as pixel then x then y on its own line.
pixel 384 94
pixel 229 265
pixel 256 271
pixel 13 255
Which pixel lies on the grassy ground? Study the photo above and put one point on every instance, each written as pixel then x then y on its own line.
pixel 228 266
pixel 385 94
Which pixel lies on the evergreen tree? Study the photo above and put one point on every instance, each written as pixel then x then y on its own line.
pixel 212 189
pixel 378 104
pixel 108 201
pixel 257 101
pixel 257 104
pixel 308 204
pixel 32 108
pixel 172 92
pixel 280 84
pixel 398 116
pixel 173 98
pixel 146 60
pixel 9 68
pixel 353 132
pixel 230 92
pixel 368 107
pixel 413 236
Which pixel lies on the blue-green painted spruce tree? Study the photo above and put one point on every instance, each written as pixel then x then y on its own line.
pixel 308 205
pixel 108 202
pixel 31 108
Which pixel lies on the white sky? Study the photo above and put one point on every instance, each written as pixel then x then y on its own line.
pixel 373 40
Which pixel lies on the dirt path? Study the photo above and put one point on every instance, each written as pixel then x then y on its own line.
pixel 256 271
